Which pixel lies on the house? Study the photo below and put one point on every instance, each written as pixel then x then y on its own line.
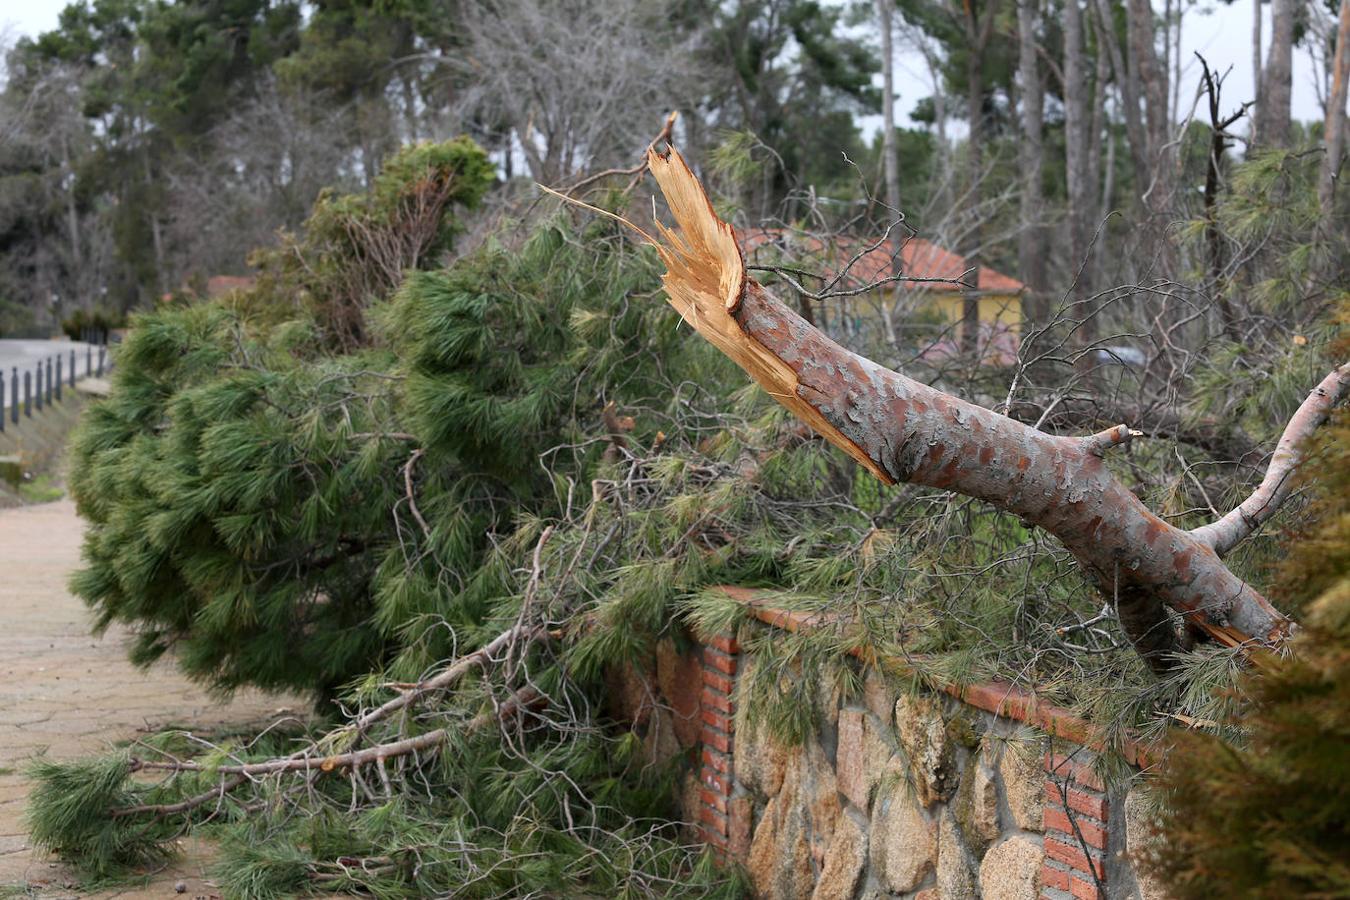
pixel 926 314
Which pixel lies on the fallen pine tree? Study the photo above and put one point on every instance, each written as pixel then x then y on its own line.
pixel 502 498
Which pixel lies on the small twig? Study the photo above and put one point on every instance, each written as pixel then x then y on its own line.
pixel 636 171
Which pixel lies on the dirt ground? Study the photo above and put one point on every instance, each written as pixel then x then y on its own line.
pixel 74 694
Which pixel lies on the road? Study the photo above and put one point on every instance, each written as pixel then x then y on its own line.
pixel 75 694
pixel 25 355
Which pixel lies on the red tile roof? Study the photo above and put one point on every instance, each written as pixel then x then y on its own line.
pixel 918 258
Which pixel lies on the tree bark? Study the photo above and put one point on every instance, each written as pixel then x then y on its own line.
pixel 979 27
pixel 1129 93
pixel 1334 130
pixel 1277 81
pixel 891 161
pixel 1031 153
pixel 1256 56
pixel 1152 79
pixel 902 430
pixel 1077 156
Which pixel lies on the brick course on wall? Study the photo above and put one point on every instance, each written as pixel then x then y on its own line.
pixel 972 822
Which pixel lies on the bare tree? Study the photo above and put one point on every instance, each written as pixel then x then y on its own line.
pixel 572 103
pixel 260 170
pixel 901 430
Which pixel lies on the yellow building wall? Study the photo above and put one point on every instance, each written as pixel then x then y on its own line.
pixel 1005 309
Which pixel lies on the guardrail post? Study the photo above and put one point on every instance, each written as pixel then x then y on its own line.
pixel 37 387
pixel 59 379
pixel 14 395
pixel 28 394
pixel 2 402
pixel 102 351
pixel 49 380
pixel 72 369
pixel 88 360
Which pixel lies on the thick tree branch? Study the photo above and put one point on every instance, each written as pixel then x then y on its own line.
pixel 903 430
pixel 1274 489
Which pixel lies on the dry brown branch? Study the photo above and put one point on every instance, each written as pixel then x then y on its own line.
pixel 305 762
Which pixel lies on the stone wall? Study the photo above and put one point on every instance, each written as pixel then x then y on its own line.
pixel 903 794
pixel 979 792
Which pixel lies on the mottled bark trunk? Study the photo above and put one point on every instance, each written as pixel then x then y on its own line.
pixel 904 430
pixel 1031 156
pixel 1277 81
pixel 1334 131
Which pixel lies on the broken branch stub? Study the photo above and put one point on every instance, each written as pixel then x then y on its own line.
pixel 900 429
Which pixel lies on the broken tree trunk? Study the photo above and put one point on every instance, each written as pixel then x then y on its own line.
pixel 902 430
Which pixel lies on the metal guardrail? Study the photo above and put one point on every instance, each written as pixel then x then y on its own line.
pixel 43 381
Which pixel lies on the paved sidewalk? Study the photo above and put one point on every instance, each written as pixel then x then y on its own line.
pixel 63 689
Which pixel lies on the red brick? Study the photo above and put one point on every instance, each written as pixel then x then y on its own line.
pixel 716 801
pixel 716 761
pixel 1073 857
pixel 1080 801
pixel 721 721
pixel 1085 889
pixel 1055 878
pixel 1056 818
pixel 711 699
pixel 726 643
pixel 713 821
pixel 1060 766
pixel 716 740
pixel 714 837
pixel 717 681
pixel 715 781
pixel 715 659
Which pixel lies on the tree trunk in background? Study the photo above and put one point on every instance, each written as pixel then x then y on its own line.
pixel 1077 158
pixel 1256 59
pixel 979 26
pixel 1152 79
pixel 1334 131
pixel 1129 92
pixel 1277 81
pixel 891 161
pixel 1031 157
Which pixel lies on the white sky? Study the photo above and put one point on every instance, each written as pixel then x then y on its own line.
pixel 1221 33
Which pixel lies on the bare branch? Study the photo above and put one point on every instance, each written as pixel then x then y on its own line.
pixel 1274 489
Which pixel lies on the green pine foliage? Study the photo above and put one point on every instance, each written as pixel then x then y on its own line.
pixel 248 492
